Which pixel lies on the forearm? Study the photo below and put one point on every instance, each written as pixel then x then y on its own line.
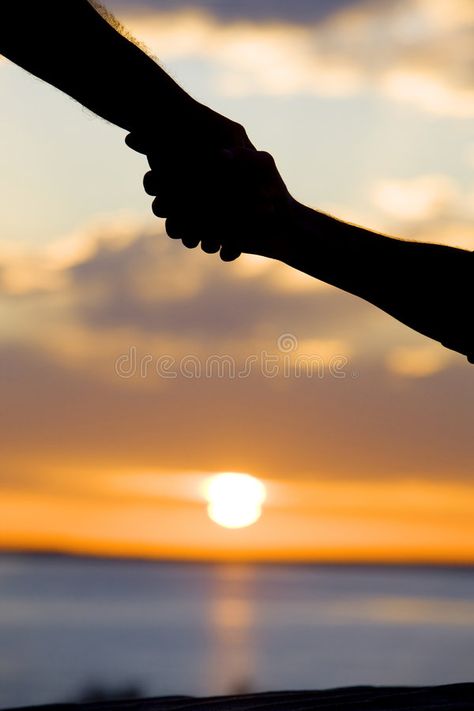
pixel 426 286
pixel 71 46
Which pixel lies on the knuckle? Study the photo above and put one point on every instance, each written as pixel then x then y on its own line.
pixel 239 129
pixel 266 159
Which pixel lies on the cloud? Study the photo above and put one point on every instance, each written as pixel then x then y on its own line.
pixel 275 59
pixel 412 50
pixel 427 208
pixel 418 361
pixel 126 275
pixel 429 92
pixel 424 197
pixel 296 11
pixel 121 282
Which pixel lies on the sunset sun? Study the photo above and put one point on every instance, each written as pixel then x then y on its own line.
pixel 234 500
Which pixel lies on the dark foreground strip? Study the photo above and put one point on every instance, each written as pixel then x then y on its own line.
pixel 455 697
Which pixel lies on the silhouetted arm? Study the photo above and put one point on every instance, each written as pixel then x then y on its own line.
pixel 428 287
pixel 70 45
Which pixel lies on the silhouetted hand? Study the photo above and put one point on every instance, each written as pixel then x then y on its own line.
pixel 185 156
pixel 195 128
pixel 243 204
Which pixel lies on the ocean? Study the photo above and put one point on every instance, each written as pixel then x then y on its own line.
pixel 79 628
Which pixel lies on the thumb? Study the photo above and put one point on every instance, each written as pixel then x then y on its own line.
pixel 136 143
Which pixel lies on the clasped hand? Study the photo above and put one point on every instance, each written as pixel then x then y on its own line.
pixel 216 190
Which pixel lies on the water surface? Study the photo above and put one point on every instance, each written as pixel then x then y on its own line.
pixel 67 624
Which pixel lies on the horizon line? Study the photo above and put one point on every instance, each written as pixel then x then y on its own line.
pixel 183 560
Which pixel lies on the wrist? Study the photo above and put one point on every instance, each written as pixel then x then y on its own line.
pixel 170 117
pixel 300 229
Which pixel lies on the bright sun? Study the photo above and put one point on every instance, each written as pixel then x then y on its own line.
pixel 234 500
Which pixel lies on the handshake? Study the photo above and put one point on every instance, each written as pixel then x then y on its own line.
pixel 215 189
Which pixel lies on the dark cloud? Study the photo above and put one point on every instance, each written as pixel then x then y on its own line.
pixel 407 51
pixel 222 304
pixel 293 11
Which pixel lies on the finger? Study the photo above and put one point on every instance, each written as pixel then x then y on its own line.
pixel 175 228
pixel 159 180
pixel 210 245
pixel 191 241
pixel 229 253
pixel 161 207
pixel 151 183
pixel 173 189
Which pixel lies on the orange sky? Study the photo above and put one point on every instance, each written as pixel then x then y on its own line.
pixel 165 516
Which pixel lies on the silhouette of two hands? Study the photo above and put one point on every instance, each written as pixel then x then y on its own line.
pixel 215 189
